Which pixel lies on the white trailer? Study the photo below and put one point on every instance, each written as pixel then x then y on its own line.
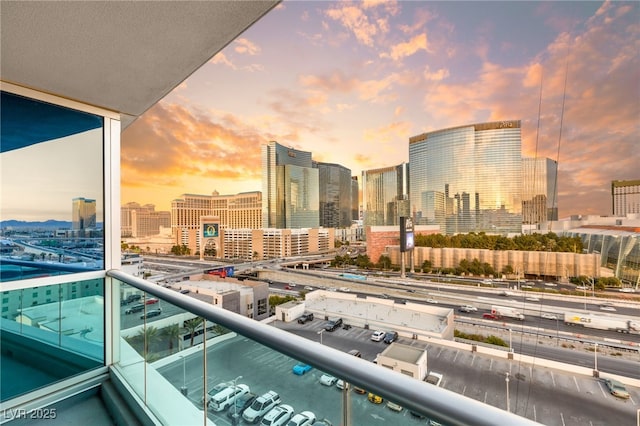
pixel 602 322
pixel 507 312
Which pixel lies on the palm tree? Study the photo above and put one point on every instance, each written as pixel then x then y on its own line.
pixel 191 325
pixel 171 333
pixel 150 335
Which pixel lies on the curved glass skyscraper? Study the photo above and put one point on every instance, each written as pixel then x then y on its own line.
pixel 468 178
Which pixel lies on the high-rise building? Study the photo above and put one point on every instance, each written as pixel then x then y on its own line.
pixel 539 190
pixel 142 221
pixel 83 214
pixel 334 183
pixel 355 198
pixel 468 178
pixel 289 187
pixel 385 195
pixel 625 196
pixel 235 211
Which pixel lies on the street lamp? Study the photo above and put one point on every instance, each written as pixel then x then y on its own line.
pixel 320 333
pixel 235 406
pixel 506 379
pixel 510 347
pixel 595 355
pixel 184 389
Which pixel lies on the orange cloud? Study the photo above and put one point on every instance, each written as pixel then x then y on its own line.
pixel 244 46
pixel 405 49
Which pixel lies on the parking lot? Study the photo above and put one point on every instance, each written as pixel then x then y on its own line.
pixel 548 396
pixel 263 369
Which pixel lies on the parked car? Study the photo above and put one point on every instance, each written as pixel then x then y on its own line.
pixel 341 384
pixel 152 313
pixel 240 404
pixel 378 336
pixel 390 337
pixel 151 301
pixel 327 379
pixel 306 317
pixel 433 378
pixel 393 406
pixel 300 369
pixel 376 399
pixel 226 397
pixel 355 353
pixel 467 308
pixel 261 406
pixel 333 324
pixel 278 415
pixel 133 298
pixel 616 388
pixel 548 316
pixel 135 308
pixel 305 418
pixel 217 388
pixel 359 390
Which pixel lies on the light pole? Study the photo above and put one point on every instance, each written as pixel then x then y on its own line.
pixel 184 389
pixel 510 347
pixel 506 379
pixel 235 406
pixel 595 355
pixel 320 333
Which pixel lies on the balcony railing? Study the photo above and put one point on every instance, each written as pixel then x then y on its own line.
pixel 239 350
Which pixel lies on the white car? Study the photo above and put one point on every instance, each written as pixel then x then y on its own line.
pixel 607 308
pixel 545 315
pixel 327 380
pixel 307 287
pixel 340 384
pixel 278 416
pixel 345 289
pixel 393 406
pixel 432 301
pixel 306 418
pixel 226 397
pixel 533 299
pixel 377 336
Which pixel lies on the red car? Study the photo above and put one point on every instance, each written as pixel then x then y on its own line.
pixel 489 316
pixel 151 301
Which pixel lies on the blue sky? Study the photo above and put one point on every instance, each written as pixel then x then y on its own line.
pixel 352 81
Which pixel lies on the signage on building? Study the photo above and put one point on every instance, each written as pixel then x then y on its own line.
pixel 210 230
pixel 406 234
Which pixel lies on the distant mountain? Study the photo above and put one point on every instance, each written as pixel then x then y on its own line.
pixel 49 224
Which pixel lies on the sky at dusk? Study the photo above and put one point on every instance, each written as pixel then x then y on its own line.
pixel 351 82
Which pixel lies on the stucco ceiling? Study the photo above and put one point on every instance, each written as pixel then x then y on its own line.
pixel 120 55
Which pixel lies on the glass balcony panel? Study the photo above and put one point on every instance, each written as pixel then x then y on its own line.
pixel 162 352
pixel 50 333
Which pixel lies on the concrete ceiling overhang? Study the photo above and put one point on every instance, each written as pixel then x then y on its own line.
pixel 123 56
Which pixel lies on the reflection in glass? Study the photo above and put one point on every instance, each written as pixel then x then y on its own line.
pixel 52 189
pixel 50 333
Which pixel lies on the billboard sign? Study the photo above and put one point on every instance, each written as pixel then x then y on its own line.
pixel 406 234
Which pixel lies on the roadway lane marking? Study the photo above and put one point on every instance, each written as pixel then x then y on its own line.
pixel 485 397
pixel 553 380
pixel 464 389
pixel 632 401
pixel 535 416
pixel 473 358
pixel 562 418
pixel 490 364
pixel 602 390
pixel 441 349
pixel 576 382
pixel 456 357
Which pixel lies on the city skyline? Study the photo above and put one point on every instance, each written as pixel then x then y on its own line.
pixel 352 82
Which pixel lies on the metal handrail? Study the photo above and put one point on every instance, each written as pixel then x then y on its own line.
pixel 415 395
